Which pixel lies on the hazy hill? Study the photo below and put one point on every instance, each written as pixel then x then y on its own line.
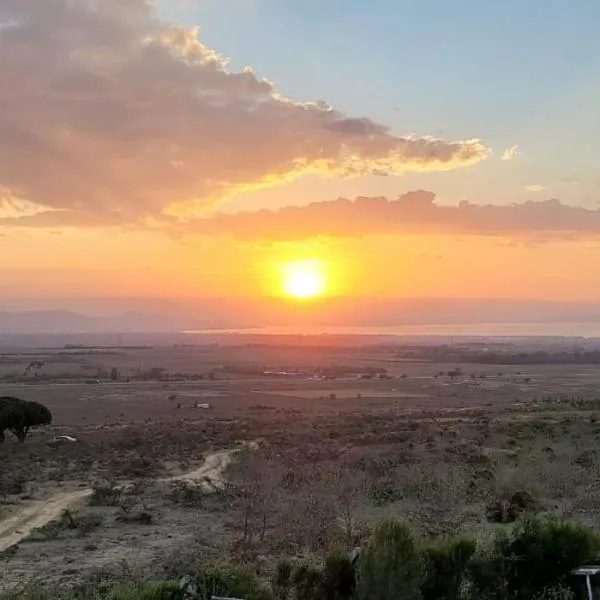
pixel 151 315
pixel 36 322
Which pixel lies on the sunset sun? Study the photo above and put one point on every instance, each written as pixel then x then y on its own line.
pixel 303 279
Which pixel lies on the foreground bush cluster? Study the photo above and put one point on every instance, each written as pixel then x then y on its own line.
pixel 530 561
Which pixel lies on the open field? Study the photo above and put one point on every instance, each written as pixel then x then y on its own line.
pixel 442 445
pixel 365 392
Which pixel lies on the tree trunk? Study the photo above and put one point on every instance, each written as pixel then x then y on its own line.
pixel 246 522
pixel 349 532
pixel 264 526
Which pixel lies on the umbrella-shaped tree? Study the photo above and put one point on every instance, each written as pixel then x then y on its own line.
pixel 19 416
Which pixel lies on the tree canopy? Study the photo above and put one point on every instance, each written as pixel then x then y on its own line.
pixel 392 565
pixel 19 416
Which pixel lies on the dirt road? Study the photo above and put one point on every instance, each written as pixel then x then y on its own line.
pixel 210 474
pixel 38 513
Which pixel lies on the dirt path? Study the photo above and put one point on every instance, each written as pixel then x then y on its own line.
pixel 37 514
pixel 40 512
pixel 210 474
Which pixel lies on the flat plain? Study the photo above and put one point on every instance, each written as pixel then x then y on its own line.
pixel 192 451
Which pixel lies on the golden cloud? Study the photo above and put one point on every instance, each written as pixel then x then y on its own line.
pixel 112 116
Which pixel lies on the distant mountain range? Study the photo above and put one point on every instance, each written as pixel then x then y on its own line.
pixel 49 322
pixel 154 316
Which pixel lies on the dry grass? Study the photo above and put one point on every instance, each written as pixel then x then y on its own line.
pixel 325 471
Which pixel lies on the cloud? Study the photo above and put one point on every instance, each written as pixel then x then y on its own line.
pixel 510 153
pixel 412 213
pixel 109 115
pixel 535 187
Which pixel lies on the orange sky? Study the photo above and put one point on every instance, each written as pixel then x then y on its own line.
pixel 113 263
pixel 138 162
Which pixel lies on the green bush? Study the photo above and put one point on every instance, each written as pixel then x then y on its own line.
pixel 239 582
pixel 282 580
pixel 335 581
pixel 509 508
pixel 542 553
pixel 446 564
pixel 339 581
pixel 160 590
pixel 531 561
pixel 391 562
pixel 308 582
pixel 134 591
pixel 487 570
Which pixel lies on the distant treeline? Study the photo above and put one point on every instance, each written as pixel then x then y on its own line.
pixel 84 347
pixel 325 371
pixel 539 357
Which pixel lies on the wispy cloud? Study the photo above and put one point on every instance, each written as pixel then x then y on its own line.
pixel 535 187
pixel 110 115
pixel 510 153
pixel 413 213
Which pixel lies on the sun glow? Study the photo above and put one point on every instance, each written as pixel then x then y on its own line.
pixel 303 279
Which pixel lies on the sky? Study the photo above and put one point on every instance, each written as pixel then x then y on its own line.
pixel 190 148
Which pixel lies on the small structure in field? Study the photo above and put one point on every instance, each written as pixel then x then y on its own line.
pixel 587 571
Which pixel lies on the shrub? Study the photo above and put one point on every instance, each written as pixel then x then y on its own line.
pixel 150 591
pixel 105 495
pixel 52 530
pixel 391 562
pixel 308 582
pixel 187 494
pixel 68 521
pixel 238 582
pixel 87 523
pixel 11 484
pixel 446 568
pixel 533 561
pixel 282 580
pixel 385 491
pixel 557 592
pixel 487 570
pixel 509 509
pixel 82 523
pixel 339 579
pixel 542 553
pixel 336 581
pixel 161 590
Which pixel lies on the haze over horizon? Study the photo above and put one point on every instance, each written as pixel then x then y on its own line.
pixel 327 315
pixel 370 156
